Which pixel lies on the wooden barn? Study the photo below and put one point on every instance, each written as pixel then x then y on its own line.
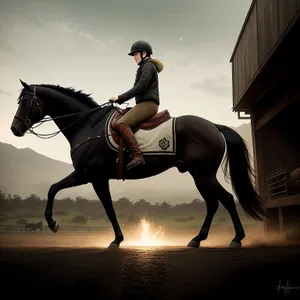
pixel 266 89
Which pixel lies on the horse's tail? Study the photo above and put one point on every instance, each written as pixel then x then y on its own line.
pixel 240 173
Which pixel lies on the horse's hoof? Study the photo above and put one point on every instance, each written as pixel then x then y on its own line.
pixel 193 244
pixel 113 246
pixel 235 244
pixel 55 227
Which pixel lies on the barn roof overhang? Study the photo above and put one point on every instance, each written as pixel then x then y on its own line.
pixel 281 66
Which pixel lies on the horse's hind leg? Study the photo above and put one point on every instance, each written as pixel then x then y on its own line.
pixel 212 191
pixel 228 202
pixel 207 188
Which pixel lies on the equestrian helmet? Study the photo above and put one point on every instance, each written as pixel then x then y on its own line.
pixel 140 46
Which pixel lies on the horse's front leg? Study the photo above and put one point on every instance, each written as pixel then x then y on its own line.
pixel 72 180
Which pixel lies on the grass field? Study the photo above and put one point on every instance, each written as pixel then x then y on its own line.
pixel 179 221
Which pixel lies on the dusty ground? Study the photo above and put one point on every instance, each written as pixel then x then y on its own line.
pixel 45 265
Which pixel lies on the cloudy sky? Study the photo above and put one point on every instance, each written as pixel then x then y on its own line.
pixel 85 44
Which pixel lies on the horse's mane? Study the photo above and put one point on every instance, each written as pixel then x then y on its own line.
pixel 79 95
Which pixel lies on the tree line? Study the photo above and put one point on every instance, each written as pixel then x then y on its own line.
pixel 33 203
pixel 10 202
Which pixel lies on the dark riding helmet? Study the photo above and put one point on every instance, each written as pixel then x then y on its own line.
pixel 140 46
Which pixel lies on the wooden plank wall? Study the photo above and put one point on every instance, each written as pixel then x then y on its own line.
pixel 245 61
pixel 267 22
pixel 286 13
pixel 267 27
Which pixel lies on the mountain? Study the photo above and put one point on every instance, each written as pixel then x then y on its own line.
pixel 25 171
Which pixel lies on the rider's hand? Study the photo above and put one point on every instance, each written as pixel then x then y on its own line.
pixel 113 99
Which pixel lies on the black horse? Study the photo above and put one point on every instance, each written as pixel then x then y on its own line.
pixel 34 226
pixel 200 146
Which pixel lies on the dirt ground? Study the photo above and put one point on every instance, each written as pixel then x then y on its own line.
pixel 79 265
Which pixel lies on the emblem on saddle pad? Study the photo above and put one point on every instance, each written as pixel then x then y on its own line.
pixel 164 143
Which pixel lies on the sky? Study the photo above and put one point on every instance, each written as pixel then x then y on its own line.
pixel 84 44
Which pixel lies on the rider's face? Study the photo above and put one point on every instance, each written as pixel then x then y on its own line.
pixel 137 56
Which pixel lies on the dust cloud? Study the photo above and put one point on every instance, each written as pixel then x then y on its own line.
pixel 145 236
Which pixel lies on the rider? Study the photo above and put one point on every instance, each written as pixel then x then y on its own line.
pixel 146 93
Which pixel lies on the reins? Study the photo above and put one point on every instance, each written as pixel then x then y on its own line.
pixel 53 134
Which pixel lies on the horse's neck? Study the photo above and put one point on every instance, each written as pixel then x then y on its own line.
pixel 60 105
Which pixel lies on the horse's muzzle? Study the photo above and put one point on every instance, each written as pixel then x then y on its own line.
pixel 17 131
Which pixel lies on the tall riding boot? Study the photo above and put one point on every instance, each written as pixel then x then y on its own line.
pixel 132 144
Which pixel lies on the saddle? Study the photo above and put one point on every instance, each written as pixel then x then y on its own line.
pixel 150 123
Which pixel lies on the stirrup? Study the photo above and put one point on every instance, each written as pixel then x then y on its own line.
pixel 137 163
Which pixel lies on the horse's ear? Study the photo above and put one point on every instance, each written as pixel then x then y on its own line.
pixel 26 86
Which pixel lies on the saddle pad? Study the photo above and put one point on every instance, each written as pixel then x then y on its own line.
pixel 157 141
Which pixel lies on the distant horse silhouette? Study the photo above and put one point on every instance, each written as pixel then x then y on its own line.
pixel 34 226
pixel 199 148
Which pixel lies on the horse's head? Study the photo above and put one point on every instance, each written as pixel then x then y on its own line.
pixel 30 110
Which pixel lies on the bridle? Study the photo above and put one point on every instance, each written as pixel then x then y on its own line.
pixel 34 100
